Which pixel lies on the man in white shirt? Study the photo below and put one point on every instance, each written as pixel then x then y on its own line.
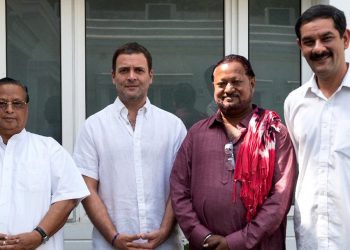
pixel 125 153
pixel 318 121
pixel 39 182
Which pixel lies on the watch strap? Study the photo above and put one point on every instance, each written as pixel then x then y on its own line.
pixel 43 234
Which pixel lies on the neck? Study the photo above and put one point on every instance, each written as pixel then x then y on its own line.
pixel 232 131
pixel 133 107
pixel 235 118
pixel 5 139
pixel 231 122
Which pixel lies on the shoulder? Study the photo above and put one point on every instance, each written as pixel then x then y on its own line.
pixel 100 114
pixel 36 138
pixel 164 115
pixel 298 93
pixel 43 143
pixel 274 121
pixel 202 125
pixel 99 119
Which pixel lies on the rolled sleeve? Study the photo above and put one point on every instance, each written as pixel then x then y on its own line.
pixel 67 182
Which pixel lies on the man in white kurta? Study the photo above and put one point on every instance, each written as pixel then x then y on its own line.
pixel 35 172
pixel 318 120
pixel 39 181
pixel 125 153
pixel 132 167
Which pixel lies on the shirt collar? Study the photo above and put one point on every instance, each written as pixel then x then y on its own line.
pixel 312 86
pixel 14 138
pixel 121 109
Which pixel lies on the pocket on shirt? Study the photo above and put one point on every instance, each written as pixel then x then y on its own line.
pixel 31 176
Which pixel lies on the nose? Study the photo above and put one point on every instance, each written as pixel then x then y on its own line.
pixel 229 88
pixel 132 75
pixel 9 108
pixel 319 47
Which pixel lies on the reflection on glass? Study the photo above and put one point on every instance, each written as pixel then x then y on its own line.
pixel 184 38
pixel 33 57
pixel 273 51
pixel 183 100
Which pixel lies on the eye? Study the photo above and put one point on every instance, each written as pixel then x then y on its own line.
pixel 123 70
pixel 3 104
pixel 327 38
pixel 308 42
pixel 18 104
pixel 236 83
pixel 139 70
pixel 221 84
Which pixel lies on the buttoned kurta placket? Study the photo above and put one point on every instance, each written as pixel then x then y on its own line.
pixel 323 174
pixel 137 151
pixel 141 202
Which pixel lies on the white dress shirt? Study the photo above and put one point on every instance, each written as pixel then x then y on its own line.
pixel 132 166
pixel 320 130
pixel 35 172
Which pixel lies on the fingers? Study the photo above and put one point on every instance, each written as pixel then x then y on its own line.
pixel 149 235
pixel 139 246
pixel 129 237
pixel 212 242
pixel 9 242
pixel 126 241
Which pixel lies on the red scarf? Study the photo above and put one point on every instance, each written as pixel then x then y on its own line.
pixel 256 160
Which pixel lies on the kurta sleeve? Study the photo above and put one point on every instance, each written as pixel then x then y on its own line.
pixel 66 180
pixel 180 191
pixel 85 154
pixel 275 208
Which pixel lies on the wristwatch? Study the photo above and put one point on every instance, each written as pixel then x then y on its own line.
pixel 44 236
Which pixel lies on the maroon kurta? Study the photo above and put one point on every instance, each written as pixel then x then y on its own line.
pixel 202 190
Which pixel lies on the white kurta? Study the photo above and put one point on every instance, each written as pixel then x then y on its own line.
pixel 35 171
pixel 132 167
pixel 320 130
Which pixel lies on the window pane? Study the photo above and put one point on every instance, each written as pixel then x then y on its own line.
pixel 184 37
pixel 273 50
pixel 33 57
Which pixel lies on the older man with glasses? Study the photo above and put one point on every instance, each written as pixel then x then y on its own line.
pixel 39 182
pixel 233 178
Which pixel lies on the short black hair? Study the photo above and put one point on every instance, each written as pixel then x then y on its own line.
pixel 322 11
pixel 235 58
pixel 132 48
pixel 8 80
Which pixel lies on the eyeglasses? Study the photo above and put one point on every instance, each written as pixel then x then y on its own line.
pixel 229 157
pixel 17 105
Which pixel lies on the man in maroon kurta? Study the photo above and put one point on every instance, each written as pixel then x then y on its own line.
pixel 213 196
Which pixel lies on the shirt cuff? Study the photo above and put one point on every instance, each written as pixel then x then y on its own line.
pixel 198 235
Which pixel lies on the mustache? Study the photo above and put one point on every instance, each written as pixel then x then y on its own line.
pixel 318 56
pixel 230 96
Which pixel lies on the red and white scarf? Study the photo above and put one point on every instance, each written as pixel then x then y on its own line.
pixel 256 159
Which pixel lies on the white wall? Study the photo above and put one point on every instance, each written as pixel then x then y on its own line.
pixel 344 5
